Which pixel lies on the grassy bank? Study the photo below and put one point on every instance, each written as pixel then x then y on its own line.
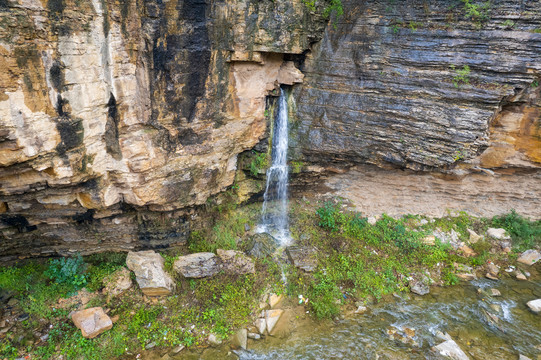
pixel 357 263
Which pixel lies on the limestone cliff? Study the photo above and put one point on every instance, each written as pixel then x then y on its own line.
pixel 118 117
pixel 114 114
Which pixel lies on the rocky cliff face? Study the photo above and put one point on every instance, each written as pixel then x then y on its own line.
pixel 113 115
pixel 423 86
pixel 117 117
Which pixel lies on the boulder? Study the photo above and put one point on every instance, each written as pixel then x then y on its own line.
pixel 236 262
pixel 372 220
pixel 534 305
pixel 302 257
pixel 254 336
pixel 497 234
pixel 521 276
pixel 361 309
pixel 522 357
pixel 451 350
pixel 198 265
pixel 117 282
pixel 92 322
pixel 262 245
pixel 529 257
pixel 149 273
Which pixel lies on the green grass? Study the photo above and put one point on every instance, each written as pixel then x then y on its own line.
pixel 358 261
pixel 525 233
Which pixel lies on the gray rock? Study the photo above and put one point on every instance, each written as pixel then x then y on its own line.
pixel 236 262
pixel 534 305
pixel 361 309
pixel 254 336
pixel 497 234
pixel 451 350
pixel 262 245
pixel 149 273
pixel 529 257
pixel 522 357
pixel 302 257
pixel 419 287
pixel 372 220
pixel 197 265
pixel 452 238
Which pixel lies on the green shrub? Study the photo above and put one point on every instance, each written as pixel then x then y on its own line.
pixel 330 217
pixel 323 295
pixel 260 161
pixel 68 271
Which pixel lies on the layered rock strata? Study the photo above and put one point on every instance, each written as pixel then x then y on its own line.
pixel 422 86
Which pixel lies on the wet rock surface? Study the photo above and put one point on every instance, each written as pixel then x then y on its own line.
pixel 262 245
pixel 302 257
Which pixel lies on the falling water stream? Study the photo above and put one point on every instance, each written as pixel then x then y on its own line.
pixel 274 218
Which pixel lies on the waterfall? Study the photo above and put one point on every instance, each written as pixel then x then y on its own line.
pixel 274 218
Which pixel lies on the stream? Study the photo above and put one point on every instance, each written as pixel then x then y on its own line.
pixel 459 311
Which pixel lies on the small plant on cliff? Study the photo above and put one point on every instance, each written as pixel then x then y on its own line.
pixel 478 13
pixel 462 76
pixel 259 162
pixel 334 7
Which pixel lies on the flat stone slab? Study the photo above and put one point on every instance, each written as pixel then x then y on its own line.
pixel 271 318
pixel 198 265
pixel 92 322
pixel 529 257
pixel 149 273
pixel 302 257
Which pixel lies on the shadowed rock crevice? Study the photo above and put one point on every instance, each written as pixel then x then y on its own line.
pixel 111 130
